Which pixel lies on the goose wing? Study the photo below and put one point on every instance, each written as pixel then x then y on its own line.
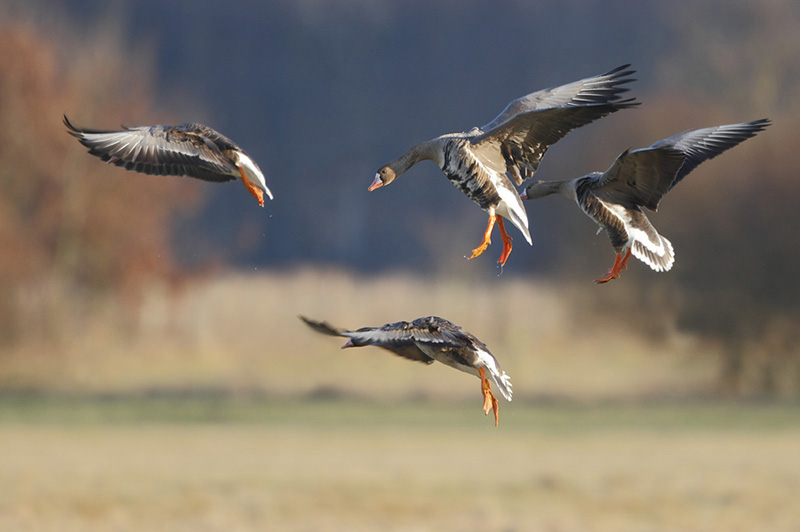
pixel 403 338
pixel 394 337
pixel 519 143
pixel 186 149
pixel 436 335
pixel 700 145
pixel 640 177
pixel 461 348
pixel 323 327
pixel 443 333
pixel 643 177
pixel 596 89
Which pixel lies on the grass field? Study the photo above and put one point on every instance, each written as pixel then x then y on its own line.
pixel 254 464
pixel 212 407
pixel 241 332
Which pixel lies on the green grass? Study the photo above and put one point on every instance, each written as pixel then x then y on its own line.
pixel 419 414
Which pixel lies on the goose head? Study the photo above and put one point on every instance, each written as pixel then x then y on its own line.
pixel 384 176
pixel 540 189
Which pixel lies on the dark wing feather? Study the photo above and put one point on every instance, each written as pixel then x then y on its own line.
pixel 410 352
pixel 643 177
pixel 402 337
pixel 523 140
pixel 393 337
pixel 322 327
pixel 703 144
pixel 640 177
pixel 597 89
pixel 439 331
pixel 188 149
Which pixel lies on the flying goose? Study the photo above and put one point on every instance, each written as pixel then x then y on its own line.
pixel 480 161
pixel 640 178
pixel 429 339
pixel 192 150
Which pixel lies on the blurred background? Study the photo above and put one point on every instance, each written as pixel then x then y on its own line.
pixel 154 374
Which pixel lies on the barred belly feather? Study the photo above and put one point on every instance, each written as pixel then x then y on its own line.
pixel 597 211
pixel 468 175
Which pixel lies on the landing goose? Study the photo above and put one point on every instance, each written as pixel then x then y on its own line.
pixel 192 150
pixel 480 161
pixel 640 178
pixel 429 339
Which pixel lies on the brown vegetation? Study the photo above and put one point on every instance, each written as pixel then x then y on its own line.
pixel 742 216
pixel 70 227
pixel 733 221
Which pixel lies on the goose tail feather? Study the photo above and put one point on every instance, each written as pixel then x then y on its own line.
pixel 660 262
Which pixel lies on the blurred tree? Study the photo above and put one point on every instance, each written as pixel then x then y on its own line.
pixel 734 220
pixel 70 225
pixel 739 221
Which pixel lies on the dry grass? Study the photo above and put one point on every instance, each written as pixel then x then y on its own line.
pixel 437 464
pixel 338 467
pixel 241 332
pixel 384 459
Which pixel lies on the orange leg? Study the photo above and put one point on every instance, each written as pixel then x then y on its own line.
pixel 624 265
pixel 487 238
pixel 620 263
pixel 506 242
pixel 489 400
pixel 254 190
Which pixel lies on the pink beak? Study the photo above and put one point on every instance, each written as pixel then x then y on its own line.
pixel 376 183
pixel 524 195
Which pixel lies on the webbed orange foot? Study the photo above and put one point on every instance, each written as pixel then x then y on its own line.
pixel 254 190
pixel 489 400
pixel 620 263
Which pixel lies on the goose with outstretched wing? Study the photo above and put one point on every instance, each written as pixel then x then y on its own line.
pixel 640 178
pixel 429 339
pixel 192 150
pixel 484 162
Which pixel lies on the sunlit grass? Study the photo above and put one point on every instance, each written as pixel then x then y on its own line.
pixel 240 333
pixel 252 464
pixel 215 408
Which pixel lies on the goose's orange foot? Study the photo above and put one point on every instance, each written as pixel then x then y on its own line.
pixel 610 276
pixel 254 190
pixel 489 400
pixel 620 263
pixel 487 239
pixel 480 249
pixel 506 243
